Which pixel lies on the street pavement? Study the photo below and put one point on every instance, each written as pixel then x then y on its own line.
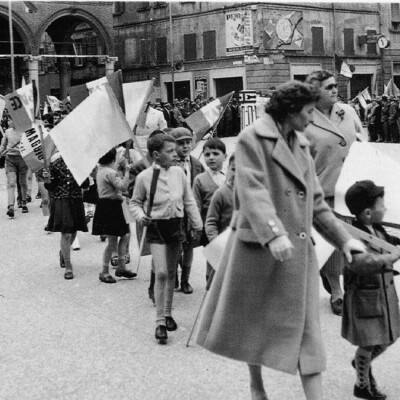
pixel 83 339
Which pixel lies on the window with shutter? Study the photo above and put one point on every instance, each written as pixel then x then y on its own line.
pixel 145 51
pixel 209 45
pixel 161 49
pixel 348 35
pixel 190 47
pixel 131 51
pixel 118 7
pixel 317 34
pixel 395 11
pixel 371 47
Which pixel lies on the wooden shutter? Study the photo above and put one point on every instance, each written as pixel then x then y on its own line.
pixel 118 7
pixel 395 11
pixel 348 36
pixel 317 34
pixel 161 49
pixel 209 45
pixel 190 47
pixel 371 47
pixel 145 51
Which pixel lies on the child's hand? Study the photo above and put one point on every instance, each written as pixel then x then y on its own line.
pixel 395 255
pixel 145 220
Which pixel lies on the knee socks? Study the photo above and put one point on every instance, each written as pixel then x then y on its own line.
pixel 363 364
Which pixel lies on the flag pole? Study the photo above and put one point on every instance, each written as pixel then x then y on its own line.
pixel 37 116
pixel 153 187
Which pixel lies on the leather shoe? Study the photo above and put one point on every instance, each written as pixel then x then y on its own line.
pixel 106 278
pixel 186 288
pixel 161 333
pixel 170 324
pixel 124 273
pixel 69 275
pixel 337 307
pixel 366 393
pixel 374 387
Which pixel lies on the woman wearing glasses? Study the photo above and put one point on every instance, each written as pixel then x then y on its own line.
pixel 332 132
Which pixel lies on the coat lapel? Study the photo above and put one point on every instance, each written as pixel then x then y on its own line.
pixel 281 153
pixel 327 124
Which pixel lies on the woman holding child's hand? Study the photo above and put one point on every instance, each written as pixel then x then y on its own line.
pixel 263 305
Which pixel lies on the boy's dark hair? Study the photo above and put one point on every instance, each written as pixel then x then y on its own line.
pixel 231 159
pixel 108 157
pixel 362 195
pixel 215 144
pixel 156 142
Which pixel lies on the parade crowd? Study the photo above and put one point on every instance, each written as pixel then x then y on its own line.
pixel 262 307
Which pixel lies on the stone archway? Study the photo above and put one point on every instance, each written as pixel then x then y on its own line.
pixel 73 31
pixel 23 43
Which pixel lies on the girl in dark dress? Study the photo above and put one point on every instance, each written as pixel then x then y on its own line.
pixel 67 214
pixel 109 218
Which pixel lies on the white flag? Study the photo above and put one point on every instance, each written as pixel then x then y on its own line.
pixel 90 131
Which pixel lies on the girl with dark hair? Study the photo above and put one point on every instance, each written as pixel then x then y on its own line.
pixel 67 214
pixel 108 218
pixel 263 305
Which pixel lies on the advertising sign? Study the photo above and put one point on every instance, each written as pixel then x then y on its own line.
pixel 239 32
pixel 200 86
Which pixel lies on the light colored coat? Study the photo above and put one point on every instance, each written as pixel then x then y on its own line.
pixel 260 310
pixel 330 140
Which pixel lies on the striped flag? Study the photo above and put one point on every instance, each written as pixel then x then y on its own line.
pixel 208 116
pixel 391 89
pixel 90 131
pixel 79 93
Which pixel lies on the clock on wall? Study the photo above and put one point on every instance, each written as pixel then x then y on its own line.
pixel 383 42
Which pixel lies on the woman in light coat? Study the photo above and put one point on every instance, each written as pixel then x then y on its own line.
pixel 331 133
pixel 263 306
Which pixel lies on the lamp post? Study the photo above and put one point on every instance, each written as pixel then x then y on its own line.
pixel 172 53
pixel 10 25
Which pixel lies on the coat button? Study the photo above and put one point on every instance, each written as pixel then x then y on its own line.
pixel 275 229
pixel 301 194
pixel 271 223
pixel 288 192
pixel 302 235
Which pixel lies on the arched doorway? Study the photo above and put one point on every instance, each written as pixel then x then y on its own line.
pixel 71 35
pixel 5 63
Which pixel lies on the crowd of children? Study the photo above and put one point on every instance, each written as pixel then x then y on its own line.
pixel 184 205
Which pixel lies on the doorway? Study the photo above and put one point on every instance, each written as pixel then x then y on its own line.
pixel 227 85
pixel 358 83
pixel 182 90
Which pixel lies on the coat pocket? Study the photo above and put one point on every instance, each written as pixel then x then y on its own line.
pixel 368 303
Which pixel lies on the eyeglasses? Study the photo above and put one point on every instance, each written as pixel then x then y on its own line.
pixel 331 86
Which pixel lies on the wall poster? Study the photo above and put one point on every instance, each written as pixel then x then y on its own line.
pixel 200 86
pixel 282 29
pixel 239 32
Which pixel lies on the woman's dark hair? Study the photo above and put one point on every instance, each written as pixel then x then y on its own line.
pixel 109 157
pixel 318 77
pixel 156 142
pixel 290 98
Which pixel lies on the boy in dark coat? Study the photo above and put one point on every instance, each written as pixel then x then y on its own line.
pixel 371 318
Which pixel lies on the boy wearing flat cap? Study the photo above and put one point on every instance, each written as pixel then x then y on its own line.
pixel 191 167
pixel 371 317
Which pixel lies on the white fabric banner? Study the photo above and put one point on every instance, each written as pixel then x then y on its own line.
pixel 91 130
pixel 378 162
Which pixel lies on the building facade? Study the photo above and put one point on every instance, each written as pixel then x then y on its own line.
pixel 218 47
pixel 48 37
